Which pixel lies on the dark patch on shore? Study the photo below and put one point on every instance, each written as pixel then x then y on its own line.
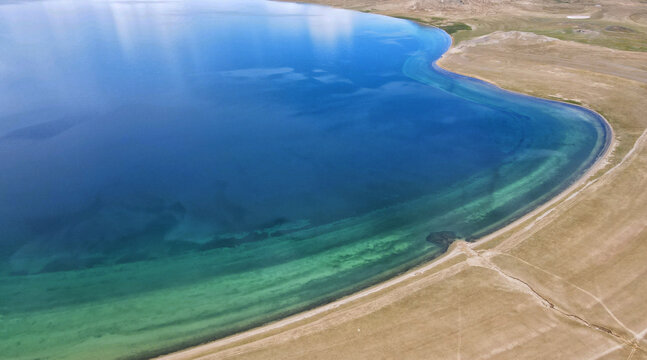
pixel 618 28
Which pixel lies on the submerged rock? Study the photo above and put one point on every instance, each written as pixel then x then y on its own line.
pixel 230 242
pixel 71 263
pixel 219 243
pixel 442 238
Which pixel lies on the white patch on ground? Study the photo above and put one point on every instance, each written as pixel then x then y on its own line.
pixel 500 36
pixel 578 17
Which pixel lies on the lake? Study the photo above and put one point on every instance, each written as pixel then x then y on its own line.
pixel 172 172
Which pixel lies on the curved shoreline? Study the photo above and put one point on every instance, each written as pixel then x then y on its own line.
pixel 543 209
pixel 598 164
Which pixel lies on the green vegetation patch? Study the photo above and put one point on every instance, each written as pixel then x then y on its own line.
pixel 450 29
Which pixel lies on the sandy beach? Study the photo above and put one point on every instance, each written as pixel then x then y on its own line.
pixel 565 281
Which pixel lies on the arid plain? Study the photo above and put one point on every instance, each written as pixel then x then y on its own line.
pixel 568 281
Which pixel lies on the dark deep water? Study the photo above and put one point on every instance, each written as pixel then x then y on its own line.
pixel 175 171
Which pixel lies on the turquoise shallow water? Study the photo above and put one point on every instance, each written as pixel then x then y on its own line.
pixel 172 172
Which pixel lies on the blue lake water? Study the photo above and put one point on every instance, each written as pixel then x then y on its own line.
pixel 172 172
